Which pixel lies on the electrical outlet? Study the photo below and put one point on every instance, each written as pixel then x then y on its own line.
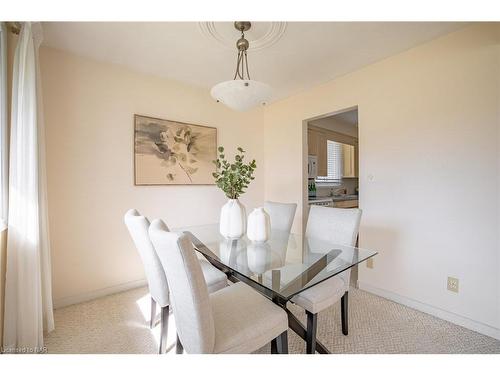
pixel 452 284
pixel 369 263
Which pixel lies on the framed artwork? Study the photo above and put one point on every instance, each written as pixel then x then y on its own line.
pixel 173 153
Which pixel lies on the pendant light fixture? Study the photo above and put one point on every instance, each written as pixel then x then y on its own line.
pixel 242 93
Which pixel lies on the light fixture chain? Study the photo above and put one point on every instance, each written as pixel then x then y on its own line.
pixel 242 74
pixel 246 63
pixel 238 63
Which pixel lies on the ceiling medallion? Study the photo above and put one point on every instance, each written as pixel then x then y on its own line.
pixel 242 93
pixel 274 32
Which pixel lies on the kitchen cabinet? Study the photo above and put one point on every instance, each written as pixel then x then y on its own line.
pixel 346 204
pixel 350 160
pixel 316 143
pixel 312 142
pixel 322 155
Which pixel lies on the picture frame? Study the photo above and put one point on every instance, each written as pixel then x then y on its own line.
pixel 168 152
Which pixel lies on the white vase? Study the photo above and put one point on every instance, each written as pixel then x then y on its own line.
pixel 259 225
pixel 233 219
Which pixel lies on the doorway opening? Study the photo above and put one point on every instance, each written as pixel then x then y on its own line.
pixel 332 163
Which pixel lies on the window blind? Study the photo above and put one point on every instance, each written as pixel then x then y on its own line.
pixel 335 163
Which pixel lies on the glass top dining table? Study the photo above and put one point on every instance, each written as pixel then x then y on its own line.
pixel 281 267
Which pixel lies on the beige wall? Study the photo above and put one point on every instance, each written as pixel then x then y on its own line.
pixel 428 134
pixel 89 108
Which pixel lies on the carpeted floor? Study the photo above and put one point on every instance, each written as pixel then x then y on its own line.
pixel 119 324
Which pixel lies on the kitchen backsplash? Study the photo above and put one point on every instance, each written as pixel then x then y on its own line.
pixel 350 184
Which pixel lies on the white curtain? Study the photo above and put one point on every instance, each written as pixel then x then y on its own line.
pixel 3 129
pixel 28 296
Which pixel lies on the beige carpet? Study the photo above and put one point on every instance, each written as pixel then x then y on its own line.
pixel 119 324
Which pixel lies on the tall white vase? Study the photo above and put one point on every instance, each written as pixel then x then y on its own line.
pixel 259 225
pixel 233 219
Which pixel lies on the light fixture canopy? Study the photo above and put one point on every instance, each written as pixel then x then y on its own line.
pixel 242 93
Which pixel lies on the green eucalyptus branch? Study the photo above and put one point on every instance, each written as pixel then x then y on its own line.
pixel 233 178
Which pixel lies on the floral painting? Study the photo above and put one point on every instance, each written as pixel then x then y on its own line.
pixel 173 153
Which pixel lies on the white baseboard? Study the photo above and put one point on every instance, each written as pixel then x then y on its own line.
pixel 84 297
pixel 473 325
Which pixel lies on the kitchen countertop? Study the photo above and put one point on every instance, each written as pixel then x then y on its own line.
pixel 337 198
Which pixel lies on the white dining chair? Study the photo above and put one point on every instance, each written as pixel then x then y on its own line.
pixel 339 226
pixel 235 319
pixel 281 215
pixel 138 226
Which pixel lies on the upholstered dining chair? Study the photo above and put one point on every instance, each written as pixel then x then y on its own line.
pixel 339 226
pixel 281 215
pixel 235 319
pixel 138 226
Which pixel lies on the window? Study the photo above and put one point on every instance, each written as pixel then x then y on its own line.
pixel 334 163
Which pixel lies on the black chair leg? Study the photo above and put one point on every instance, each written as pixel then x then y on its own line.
pixel 178 346
pixel 274 346
pixel 164 328
pixel 344 313
pixel 153 314
pixel 279 345
pixel 312 325
pixel 282 343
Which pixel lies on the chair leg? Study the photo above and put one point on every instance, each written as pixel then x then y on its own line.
pixel 153 314
pixel 344 313
pixel 279 345
pixel 282 343
pixel 164 329
pixel 312 325
pixel 178 346
pixel 274 346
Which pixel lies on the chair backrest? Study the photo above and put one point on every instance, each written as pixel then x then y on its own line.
pixel 188 290
pixel 338 225
pixel 281 215
pixel 157 281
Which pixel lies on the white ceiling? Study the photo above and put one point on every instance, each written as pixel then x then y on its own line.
pixel 294 57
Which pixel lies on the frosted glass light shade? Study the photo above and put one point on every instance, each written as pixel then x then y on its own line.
pixel 241 95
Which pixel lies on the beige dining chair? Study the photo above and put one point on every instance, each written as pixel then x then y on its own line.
pixel 338 226
pixel 138 226
pixel 236 319
pixel 281 215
